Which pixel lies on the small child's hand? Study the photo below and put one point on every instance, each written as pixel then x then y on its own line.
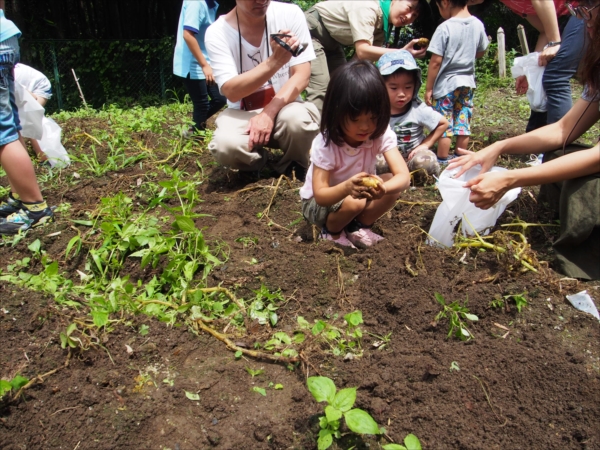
pixel 428 96
pixel 379 191
pixel 357 189
pixel 354 185
pixel 418 148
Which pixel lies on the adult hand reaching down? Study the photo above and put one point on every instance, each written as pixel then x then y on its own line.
pixel 521 85
pixel 486 157
pixel 488 188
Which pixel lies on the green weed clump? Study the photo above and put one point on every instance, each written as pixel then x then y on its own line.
pixel 12 386
pixel 457 315
pixel 340 405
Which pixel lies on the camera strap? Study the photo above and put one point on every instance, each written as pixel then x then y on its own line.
pixel 240 39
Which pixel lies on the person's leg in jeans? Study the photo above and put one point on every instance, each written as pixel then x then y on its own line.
pixel 217 101
pixel 562 68
pixel 558 74
pixel 199 97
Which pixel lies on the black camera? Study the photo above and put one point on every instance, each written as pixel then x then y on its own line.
pixel 277 38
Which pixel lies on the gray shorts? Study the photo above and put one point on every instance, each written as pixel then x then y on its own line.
pixel 317 215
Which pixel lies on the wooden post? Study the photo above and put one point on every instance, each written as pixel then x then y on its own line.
pixel 79 87
pixel 523 39
pixel 501 54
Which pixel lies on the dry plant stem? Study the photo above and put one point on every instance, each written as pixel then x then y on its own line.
pixel 472 145
pixel 406 202
pixel 40 378
pixel 420 265
pixel 342 291
pixel 65 409
pixel 158 302
pixel 525 225
pixel 253 188
pixel 281 226
pixel 268 208
pixel 481 243
pixel 487 397
pixel 87 136
pixel 79 88
pixel 430 236
pixel 409 269
pixel 232 346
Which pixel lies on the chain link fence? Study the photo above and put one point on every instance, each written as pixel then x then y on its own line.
pixel 126 72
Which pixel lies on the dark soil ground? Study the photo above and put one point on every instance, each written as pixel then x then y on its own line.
pixel 528 380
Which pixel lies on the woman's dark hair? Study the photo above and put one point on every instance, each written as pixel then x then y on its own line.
pixel 589 68
pixel 355 88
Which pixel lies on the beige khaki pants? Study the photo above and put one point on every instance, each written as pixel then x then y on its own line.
pixel 295 127
pixel 329 56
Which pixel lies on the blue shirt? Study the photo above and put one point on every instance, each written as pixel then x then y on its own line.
pixel 7 28
pixel 196 17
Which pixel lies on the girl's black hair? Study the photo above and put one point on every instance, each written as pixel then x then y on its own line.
pixel 355 88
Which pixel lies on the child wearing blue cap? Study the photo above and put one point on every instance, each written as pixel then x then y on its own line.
pixel 409 115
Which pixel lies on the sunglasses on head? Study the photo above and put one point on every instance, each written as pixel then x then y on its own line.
pixel 581 12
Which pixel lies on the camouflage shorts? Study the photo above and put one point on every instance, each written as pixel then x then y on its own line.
pixel 316 214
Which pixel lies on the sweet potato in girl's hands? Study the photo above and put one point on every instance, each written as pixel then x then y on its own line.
pixel 371 182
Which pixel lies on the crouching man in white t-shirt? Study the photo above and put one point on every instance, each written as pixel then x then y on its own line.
pixel 262 81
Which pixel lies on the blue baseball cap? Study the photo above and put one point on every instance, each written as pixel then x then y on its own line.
pixel 392 61
pixel 400 59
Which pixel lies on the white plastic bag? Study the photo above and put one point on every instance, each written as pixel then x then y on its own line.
pixel 583 302
pixel 51 145
pixel 456 206
pixel 528 65
pixel 31 113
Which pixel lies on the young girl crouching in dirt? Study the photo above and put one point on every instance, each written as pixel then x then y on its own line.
pixel 339 194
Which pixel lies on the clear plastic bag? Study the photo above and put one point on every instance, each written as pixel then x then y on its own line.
pixel 51 145
pixel 528 65
pixel 31 113
pixel 456 206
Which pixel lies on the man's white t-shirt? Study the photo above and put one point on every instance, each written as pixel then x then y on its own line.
pixel 222 44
